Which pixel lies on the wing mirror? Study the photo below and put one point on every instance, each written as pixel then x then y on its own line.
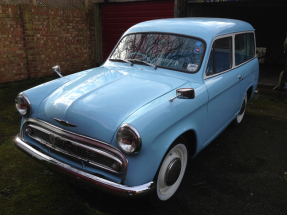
pixel 57 70
pixel 184 93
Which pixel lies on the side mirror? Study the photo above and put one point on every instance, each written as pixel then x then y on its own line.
pixel 184 93
pixel 57 70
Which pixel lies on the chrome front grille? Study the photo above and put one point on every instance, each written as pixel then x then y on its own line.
pixel 84 149
pixel 71 149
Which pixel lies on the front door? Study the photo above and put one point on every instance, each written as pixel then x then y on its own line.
pixel 222 83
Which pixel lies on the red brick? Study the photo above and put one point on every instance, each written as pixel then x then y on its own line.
pixel 51 36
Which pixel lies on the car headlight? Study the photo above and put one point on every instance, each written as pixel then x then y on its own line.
pixel 129 139
pixel 23 104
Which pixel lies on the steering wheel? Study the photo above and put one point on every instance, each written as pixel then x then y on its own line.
pixel 139 54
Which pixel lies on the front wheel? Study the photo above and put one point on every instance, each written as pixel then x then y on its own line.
pixel 170 172
pixel 240 115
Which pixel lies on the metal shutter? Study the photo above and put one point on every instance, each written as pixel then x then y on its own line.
pixel 117 18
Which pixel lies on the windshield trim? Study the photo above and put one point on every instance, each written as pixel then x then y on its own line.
pixel 168 33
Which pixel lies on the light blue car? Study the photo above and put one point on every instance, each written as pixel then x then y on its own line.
pixel 169 88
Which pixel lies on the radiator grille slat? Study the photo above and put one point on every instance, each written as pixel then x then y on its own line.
pixel 78 150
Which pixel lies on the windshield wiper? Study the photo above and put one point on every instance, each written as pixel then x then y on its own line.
pixel 118 59
pixel 150 64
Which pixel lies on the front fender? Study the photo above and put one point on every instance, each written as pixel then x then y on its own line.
pixel 159 123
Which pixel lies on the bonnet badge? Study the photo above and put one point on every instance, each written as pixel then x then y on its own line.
pixel 65 123
pixel 52 140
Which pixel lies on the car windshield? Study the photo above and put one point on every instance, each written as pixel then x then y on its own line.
pixel 162 50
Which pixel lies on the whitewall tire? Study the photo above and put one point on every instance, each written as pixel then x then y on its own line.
pixel 238 119
pixel 171 171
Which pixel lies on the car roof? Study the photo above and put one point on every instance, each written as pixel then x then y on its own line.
pixel 205 28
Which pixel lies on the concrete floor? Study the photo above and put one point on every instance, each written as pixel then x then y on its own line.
pixel 269 75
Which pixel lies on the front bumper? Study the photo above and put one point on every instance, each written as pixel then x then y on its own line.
pixel 86 178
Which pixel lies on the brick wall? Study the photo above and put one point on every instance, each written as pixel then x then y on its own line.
pixel 37 38
pixel 12 53
pixel 91 40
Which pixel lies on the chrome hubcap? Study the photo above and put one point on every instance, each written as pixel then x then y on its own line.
pixel 173 171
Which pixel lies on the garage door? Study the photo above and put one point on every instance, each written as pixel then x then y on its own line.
pixel 117 18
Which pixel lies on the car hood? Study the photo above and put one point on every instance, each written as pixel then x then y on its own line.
pixel 99 101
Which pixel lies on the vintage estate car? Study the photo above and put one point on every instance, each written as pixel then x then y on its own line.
pixel 168 88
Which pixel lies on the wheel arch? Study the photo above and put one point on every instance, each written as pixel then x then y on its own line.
pixel 189 135
pixel 191 139
pixel 250 92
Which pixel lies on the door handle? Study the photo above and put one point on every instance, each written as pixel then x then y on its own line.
pixel 240 77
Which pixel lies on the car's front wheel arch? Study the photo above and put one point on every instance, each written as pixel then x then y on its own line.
pixel 191 139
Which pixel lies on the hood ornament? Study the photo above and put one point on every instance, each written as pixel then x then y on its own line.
pixel 65 123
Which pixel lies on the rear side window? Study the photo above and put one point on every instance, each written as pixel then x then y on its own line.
pixel 220 58
pixel 244 47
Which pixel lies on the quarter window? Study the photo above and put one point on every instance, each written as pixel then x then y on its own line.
pixel 244 47
pixel 220 58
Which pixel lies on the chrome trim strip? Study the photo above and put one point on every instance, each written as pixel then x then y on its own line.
pixel 225 71
pixel 79 145
pixel 87 178
pixel 80 138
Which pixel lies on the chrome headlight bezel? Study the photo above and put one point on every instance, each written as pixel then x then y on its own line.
pixel 136 144
pixel 21 97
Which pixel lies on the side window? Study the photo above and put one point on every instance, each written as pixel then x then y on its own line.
pixel 220 58
pixel 244 47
